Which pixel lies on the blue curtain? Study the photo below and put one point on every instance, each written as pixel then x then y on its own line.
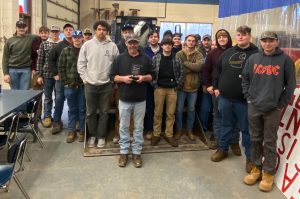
pixel 236 7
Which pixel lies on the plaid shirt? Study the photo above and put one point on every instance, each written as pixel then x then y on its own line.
pixel 177 68
pixel 67 67
pixel 42 68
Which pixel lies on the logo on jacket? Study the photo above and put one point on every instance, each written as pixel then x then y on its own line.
pixel 268 70
pixel 237 60
pixel 106 53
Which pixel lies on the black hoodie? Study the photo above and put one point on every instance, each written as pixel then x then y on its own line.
pixel 211 60
pixel 228 78
pixel 269 81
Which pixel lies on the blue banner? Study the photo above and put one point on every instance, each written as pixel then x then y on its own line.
pixel 212 2
pixel 229 8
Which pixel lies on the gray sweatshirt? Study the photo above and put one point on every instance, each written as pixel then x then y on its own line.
pixel 95 60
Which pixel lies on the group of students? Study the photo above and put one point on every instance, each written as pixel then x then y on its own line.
pixel 246 87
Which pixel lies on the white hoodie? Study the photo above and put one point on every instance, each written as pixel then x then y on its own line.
pixel 95 59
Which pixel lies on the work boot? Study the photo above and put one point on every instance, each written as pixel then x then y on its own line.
pixel 253 177
pixel 219 155
pixel 191 136
pixel 80 136
pixel 172 141
pixel 249 165
pixel 123 159
pixel 116 139
pixel 236 149
pixel 266 184
pixel 71 137
pixel 137 160
pixel 148 135
pixel 178 134
pixel 155 140
pixel 56 128
pixel 47 122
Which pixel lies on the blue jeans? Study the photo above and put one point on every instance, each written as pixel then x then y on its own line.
pixel 205 104
pixel 76 102
pixel 234 114
pixel 59 101
pixel 49 84
pixel 191 101
pixel 217 123
pixel 125 109
pixel 20 78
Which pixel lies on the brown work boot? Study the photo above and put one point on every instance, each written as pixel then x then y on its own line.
pixel 253 177
pixel 236 149
pixel 56 128
pixel 116 139
pixel 191 136
pixel 137 160
pixel 172 141
pixel 218 156
pixel 155 140
pixel 148 135
pixel 266 184
pixel 123 159
pixel 80 136
pixel 71 137
pixel 249 165
pixel 178 134
pixel 47 122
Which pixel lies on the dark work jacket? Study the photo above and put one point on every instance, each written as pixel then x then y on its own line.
pixel 269 80
pixel 54 55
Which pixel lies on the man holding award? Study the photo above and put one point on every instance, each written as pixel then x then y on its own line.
pixel 132 70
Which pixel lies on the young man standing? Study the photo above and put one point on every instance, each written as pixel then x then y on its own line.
pixel 192 61
pixel 169 75
pixel 94 65
pixel 87 35
pixel 17 59
pixel 268 84
pixel 73 86
pixel 132 70
pixel 227 87
pixel 127 30
pixel 152 49
pixel 177 43
pixel 45 76
pixel 59 89
pixel 223 42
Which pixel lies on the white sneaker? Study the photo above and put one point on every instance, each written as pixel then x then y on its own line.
pixel 91 142
pixel 101 143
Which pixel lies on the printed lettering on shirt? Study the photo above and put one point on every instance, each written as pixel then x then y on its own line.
pixel 268 70
pixel 237 59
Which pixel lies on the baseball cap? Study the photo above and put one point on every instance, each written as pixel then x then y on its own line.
pixel 166 41
pixel 54 28
pixel 207 36
pixel 68 25
pixel 132 37
pixel 87 31
pixel 21 23
pixel 127 26
pixel 77 33
pixel 268 35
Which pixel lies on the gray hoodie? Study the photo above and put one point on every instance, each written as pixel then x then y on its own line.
pixel 268 82
pixel 95 59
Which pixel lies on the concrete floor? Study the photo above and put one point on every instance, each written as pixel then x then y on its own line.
pixel 61 172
